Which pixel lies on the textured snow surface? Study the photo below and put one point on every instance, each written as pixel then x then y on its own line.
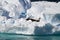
pixel 13 15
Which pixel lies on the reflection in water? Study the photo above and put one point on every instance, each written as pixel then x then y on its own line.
pixel 22 37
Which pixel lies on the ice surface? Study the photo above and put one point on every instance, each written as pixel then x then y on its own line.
pixel 15 8
pixel 13 15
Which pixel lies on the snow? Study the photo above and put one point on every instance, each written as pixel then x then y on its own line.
pixel 13 15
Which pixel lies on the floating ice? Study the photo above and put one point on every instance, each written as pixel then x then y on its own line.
pixel 13 15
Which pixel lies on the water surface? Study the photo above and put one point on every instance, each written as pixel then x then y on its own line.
pixel 22 37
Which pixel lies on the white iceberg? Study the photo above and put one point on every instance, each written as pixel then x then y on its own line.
pixel 13 15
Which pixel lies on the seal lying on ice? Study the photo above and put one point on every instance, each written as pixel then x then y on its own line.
pixel 33 19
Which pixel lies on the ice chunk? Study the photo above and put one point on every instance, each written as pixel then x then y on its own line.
pixel 35 11
pixel 2 23
pixel 26 3
pixel 15 7
pixel 56 19
pixel 9 22
pixel 13 17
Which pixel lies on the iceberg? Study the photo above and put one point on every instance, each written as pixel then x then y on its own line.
pixel 14 15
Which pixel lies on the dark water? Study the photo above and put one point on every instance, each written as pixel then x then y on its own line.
pixel 47 0
pixel 22 37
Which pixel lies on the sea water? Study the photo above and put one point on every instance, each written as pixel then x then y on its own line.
pixel 22 37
